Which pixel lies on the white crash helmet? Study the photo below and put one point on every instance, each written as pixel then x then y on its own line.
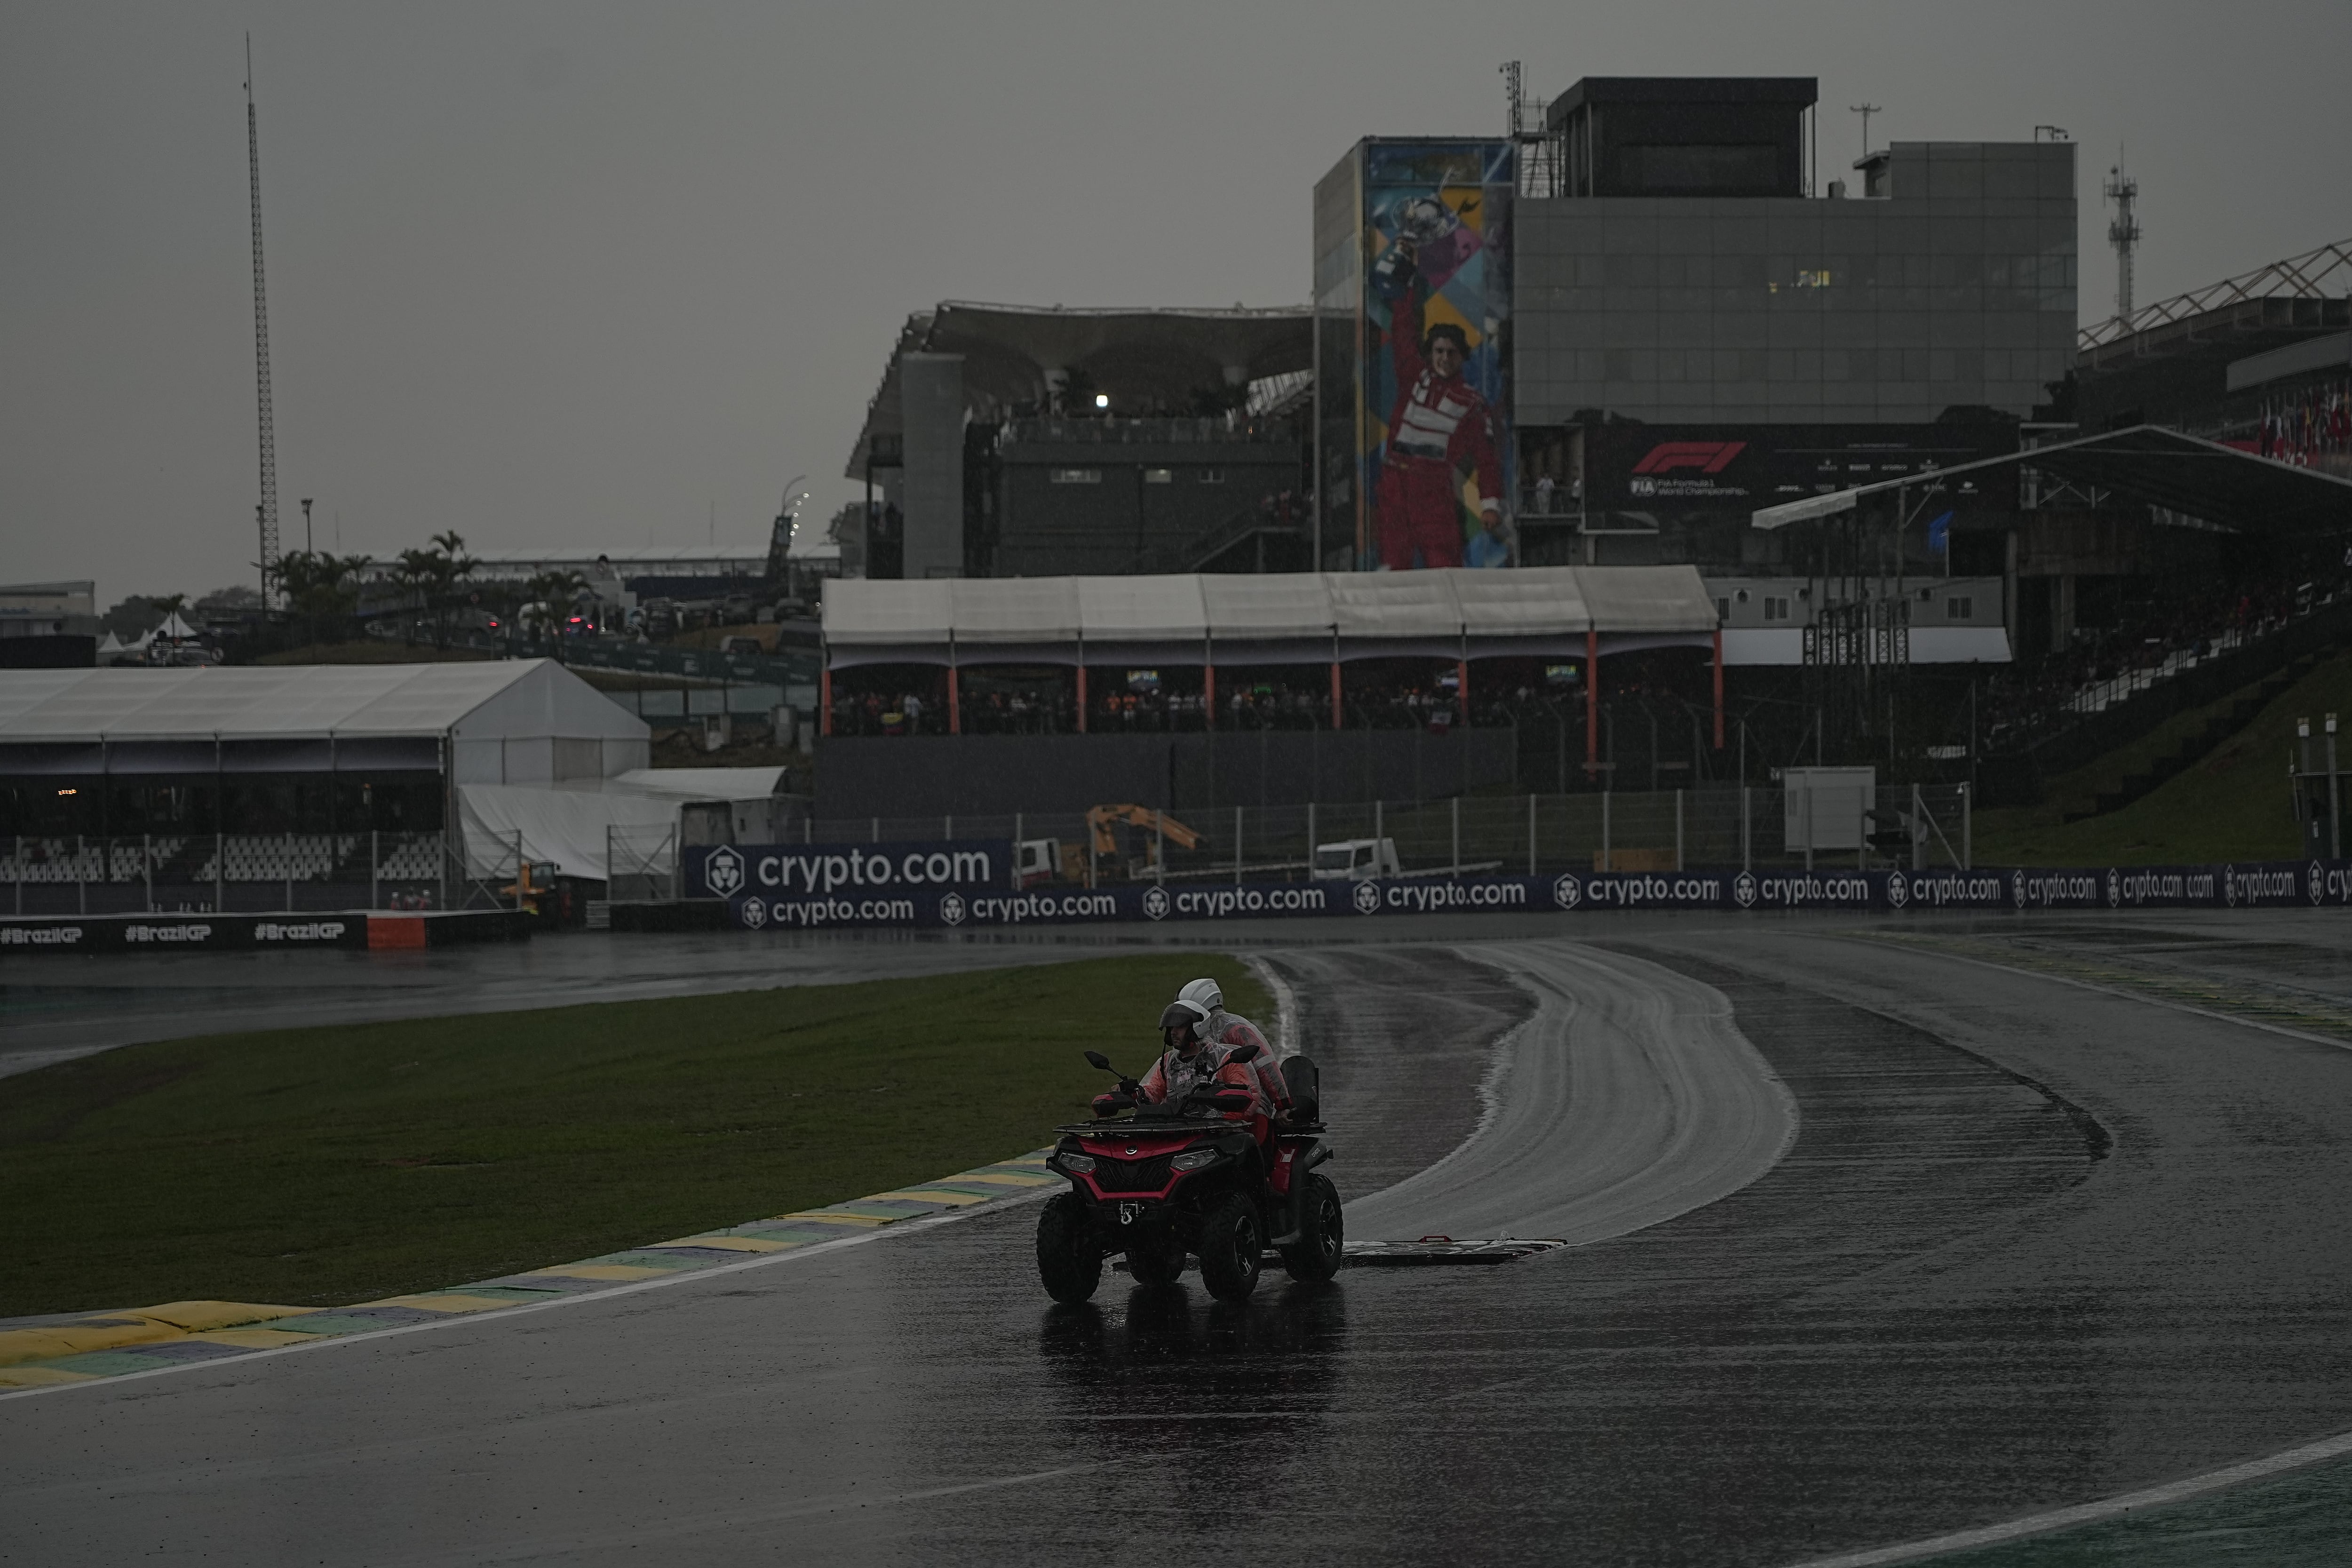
pixel 1186 1016
pixel 1204 994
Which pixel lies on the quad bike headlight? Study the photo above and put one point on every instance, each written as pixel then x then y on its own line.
pixel 1077 1164
pixel 1193 1160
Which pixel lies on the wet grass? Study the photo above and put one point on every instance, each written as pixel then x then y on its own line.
pixel 329 1166
pixel 2233 805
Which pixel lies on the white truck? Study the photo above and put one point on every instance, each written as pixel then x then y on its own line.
pixel 1356 860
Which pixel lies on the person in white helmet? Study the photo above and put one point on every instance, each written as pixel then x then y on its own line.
pixel 1227 1030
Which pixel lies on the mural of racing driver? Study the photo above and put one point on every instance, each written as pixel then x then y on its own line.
pixel 1440 431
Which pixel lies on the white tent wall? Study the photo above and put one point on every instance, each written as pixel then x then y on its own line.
pixel 551 727
pixel 570 831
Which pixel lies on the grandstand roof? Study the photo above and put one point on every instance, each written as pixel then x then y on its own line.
pixel 2148 463
pixel 296 702
pixel 1139 356
pixel 1269 618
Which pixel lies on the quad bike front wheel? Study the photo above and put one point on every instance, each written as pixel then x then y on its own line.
pixel 1069 1260
pixel 1315 1256
pixel 1231 1245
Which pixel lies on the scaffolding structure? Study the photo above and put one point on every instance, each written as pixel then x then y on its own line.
pixel 1543 152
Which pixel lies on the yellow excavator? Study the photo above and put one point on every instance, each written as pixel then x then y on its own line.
pixel 1152 829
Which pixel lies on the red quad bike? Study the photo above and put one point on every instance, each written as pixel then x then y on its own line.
pixel 1158 1181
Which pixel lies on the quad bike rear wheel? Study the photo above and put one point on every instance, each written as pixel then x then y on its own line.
pixel 1231 1245
pixel 1069 1260
pixel 1315 1256
pixel 1160 1263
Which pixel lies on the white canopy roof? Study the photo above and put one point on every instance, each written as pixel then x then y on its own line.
pixel 311 701
pixel 699 783
pixel 1403 611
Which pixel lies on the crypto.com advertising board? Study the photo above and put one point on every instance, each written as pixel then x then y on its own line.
pixel 849 871
pixel 2272 884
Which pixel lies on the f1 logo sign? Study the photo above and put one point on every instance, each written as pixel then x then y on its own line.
pixel 1707 457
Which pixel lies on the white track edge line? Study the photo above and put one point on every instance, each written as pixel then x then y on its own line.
pixel 2116 992
pixel 1286 1005
pixel 2152 1497
pixel 896 1227
pixel 2092 1512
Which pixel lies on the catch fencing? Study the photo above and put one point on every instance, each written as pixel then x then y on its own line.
pixel 1914 828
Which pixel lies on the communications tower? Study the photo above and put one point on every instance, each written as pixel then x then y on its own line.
pixel 2123 234
pixel 265 514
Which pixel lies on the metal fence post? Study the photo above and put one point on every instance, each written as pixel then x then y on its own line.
pixel 1457 836
pixel 1605 795
pixel 877 830
pixel 1918 832
pixel 1310 840
pixel 1805 805
pixel 1678 830
pixel 375 864
pixel 1379 832
pixel 147 867
pixel 1967 825
pixel 1531 833
pixel 220 873
pixel 1747 846
pixel 947 825
pixel 19 864
pixel 290 870
pixel 2334 816
pixel 1237 847
pixel 1051 871
pixel 445 865
pixel 1160 848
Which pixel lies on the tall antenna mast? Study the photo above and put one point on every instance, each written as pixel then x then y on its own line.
pixel 267 512
pixel 2122 233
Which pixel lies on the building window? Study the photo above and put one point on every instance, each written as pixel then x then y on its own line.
pixel 1723 609
pixel 1159 476
pixel 1212 476
pixel 1077 476
pixel 1775 609
pixel 1959 608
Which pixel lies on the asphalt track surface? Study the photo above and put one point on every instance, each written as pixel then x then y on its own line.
pixel 2031 1244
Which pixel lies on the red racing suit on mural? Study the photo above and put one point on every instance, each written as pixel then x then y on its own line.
pixel 1438 429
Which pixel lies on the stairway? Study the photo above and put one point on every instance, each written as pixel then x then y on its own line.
pixel 2218 728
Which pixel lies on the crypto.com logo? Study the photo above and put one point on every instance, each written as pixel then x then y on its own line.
pixel 1707 457
pixel 722 872
pixel 1366 897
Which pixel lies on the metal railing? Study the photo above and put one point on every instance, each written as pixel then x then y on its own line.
pixel 158 873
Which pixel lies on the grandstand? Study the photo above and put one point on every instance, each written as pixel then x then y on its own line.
pixel 286 787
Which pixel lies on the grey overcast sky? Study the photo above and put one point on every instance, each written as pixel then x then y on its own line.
pixel 588 273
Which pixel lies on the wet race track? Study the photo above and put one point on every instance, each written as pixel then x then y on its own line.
pixel 1882 1232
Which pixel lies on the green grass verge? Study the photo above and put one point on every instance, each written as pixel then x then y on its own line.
pixel 329 1165
pixel 2233 805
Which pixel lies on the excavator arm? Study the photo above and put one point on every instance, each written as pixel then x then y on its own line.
pixel 1102 817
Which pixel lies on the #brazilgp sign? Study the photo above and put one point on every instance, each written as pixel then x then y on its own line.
pixel 924 887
